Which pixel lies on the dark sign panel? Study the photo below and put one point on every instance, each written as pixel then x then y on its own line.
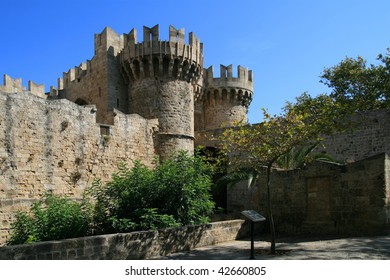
pixel 253 215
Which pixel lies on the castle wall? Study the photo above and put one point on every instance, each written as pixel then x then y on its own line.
pixel 323 198
pixel 222 108
pixel 56 145
pixel 370 137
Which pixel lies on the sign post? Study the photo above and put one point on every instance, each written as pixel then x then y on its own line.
pixel 254 217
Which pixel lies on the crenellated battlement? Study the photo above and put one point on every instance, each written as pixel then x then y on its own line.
pixel 11 85
pixel 164 59
pixel 244 77
pixel 74 74
pixel 228 88
pixel 108 41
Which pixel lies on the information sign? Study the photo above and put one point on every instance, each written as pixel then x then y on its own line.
pixel 253 215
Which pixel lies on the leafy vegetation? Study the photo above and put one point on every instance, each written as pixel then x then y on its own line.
pixel 358 86
pixel 51 219
pixel 175 192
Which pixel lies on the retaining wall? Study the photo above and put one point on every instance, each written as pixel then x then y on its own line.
pixel 134 245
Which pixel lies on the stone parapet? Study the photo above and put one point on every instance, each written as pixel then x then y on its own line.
pixel 173 59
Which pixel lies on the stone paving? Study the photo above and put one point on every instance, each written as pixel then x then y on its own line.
pixel 325 248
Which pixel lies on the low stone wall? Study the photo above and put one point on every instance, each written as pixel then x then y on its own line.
pixel 133 245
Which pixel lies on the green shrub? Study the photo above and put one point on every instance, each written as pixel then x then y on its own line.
pixel 175 192
pixel 53 218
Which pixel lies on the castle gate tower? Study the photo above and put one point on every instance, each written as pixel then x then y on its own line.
pixel 226 98
pixel 161 78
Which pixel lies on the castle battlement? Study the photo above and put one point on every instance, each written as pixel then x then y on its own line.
pixel 227 88
pixel 108 41
pixel 243 80
pixel 164 59
pixel 152 45
pixel 11 85
pixel 74 74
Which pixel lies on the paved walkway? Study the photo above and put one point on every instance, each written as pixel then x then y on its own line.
pixel 363 248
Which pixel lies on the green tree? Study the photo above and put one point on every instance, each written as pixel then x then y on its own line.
pixel 359 86
pixel 260 146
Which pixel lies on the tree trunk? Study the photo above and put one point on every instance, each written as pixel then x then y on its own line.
pixel 270 214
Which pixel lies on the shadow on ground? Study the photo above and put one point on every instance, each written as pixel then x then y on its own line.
pixel 296 248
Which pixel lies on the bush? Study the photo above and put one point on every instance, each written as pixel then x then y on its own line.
pixel 51 219
pixel 175 192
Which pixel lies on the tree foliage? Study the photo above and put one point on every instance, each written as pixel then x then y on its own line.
pixel 359 86
pixel 259 145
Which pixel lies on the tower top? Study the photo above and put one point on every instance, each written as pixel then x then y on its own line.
pixel 165 59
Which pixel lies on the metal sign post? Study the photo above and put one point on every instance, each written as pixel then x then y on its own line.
pixel 254 217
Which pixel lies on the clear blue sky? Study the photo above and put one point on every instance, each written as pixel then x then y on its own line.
pixel 287 44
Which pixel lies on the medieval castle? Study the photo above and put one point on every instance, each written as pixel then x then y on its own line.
pixel 133 101
pixel 162 80
pixel 130 101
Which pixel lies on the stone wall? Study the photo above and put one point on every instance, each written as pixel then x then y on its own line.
pixel 369 137
pixel 57 146
pixel 323 198
pixel 134 245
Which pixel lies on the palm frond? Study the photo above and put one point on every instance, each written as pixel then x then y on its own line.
pixel 297 157
pixel 232 178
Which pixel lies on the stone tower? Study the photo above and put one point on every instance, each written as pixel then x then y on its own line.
pixel 98 81
pixel 162 78
pixel 225 98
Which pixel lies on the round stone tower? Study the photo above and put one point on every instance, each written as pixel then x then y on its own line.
pixel 162 78
pixel 226 99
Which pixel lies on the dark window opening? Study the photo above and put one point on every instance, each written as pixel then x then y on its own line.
pixel 81 102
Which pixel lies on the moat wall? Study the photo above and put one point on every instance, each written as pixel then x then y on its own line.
pixel 57 146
